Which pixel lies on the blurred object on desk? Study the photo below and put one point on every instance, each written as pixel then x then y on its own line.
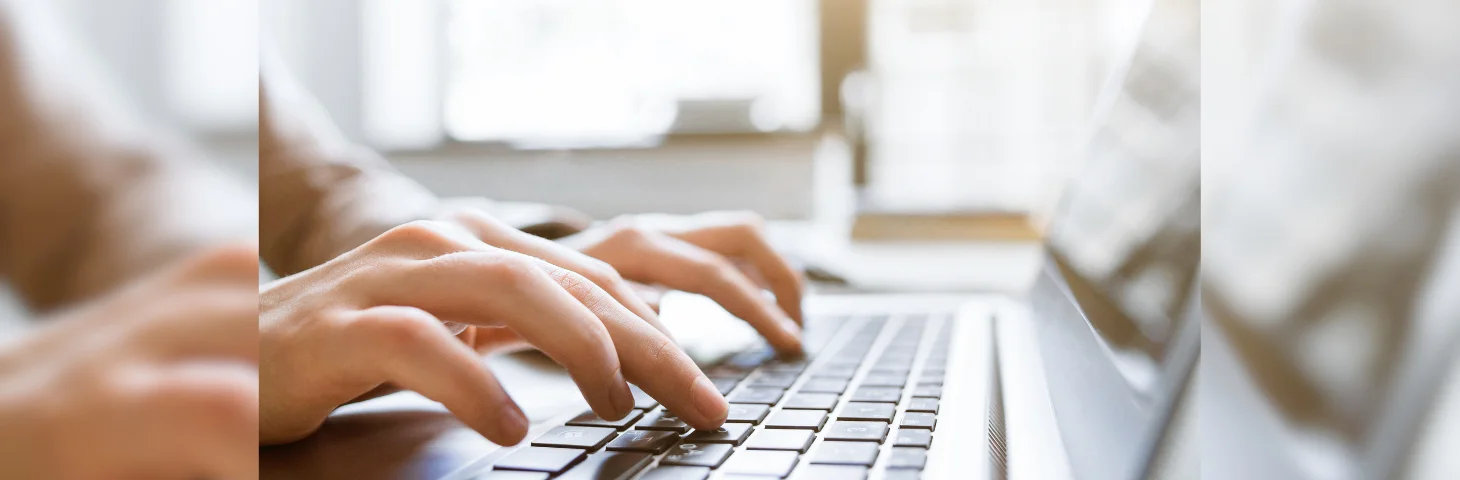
pixel 945 225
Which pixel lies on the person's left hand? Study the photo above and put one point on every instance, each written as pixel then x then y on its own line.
pixel 722 255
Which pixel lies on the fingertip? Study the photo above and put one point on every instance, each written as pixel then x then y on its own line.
pixel 790 338
pixel 712 407
pixel 511 427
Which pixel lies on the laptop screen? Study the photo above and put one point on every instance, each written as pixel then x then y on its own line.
pixel 1127 235
pixel 1125 245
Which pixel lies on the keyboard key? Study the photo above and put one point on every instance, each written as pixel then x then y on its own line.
pixel 906 457
pixel 771 379
pixel 884 380
pixel 903 474
pixel 881 412
pixel 540 459
pixel 838 371
pixel 824 385
pixel 913 438
pixel 902 346
pixel 642 400
pixel 724 384
pixel 919 420
pixel 891 371
pixel 830 472
pixel 795 366
pixel 652 441
pixel 588 419
pixel 731 433
pixel 609 466
pixel 746 413
pixel 845 453
pixel 762 462
pixel 930 379
pixel 798 440
pixel 762 395
pixel 751 358
pixel 895 355
pixel 923 404
pixel 856 431
pixel 510 475
pixel 877 394
pixel 661 419
pixel 728 371
pixel 697 455
pixel 893 363
pixel 811 401
pixel 676 472
pixel 935 391
pixel 812 419
pixel 575 437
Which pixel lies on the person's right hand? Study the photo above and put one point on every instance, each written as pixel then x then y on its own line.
pixel 155 381
pixel 373 317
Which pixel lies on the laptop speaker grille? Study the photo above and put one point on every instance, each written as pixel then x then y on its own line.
pixel 998 443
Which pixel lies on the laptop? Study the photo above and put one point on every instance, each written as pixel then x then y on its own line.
pixel 1086 376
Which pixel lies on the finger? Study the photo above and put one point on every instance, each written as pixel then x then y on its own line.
pixel 204 322
pixel 680 265
pixel 232 264
pixel 498 340
pixel 212 412
pixel 503 288
pixel 500 235
pixel 412 349
pixel 651 295
pixel 651 359
pixel 743 239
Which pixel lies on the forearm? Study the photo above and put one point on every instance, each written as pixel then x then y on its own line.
pixel 320 194
pixel 316 204
pixel 88 199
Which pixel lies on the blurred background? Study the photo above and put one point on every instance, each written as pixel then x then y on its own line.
pixel 187 69
pixel 692 105
pixel 868 129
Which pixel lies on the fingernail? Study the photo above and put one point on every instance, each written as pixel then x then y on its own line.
pixel 513 424
pixel 621 397
pixel 791 326
pixel 793 331
pixel 709 401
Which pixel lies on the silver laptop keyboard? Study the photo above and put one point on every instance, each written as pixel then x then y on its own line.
pixel 870 403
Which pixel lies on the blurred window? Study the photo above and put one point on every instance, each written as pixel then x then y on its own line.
pixel 625 71
pixel 211 58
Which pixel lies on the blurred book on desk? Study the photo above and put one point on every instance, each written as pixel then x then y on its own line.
pixel 874 223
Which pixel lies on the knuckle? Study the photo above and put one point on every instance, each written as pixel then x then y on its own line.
pixel 412 233
pixel 234 404
pixel 231 261
pixel 396 330
pixel 126 386
pixel 714 271
pixel 602 273
pixel 578 285
pixel 664 350
pixel 628 230
pixel 511 271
